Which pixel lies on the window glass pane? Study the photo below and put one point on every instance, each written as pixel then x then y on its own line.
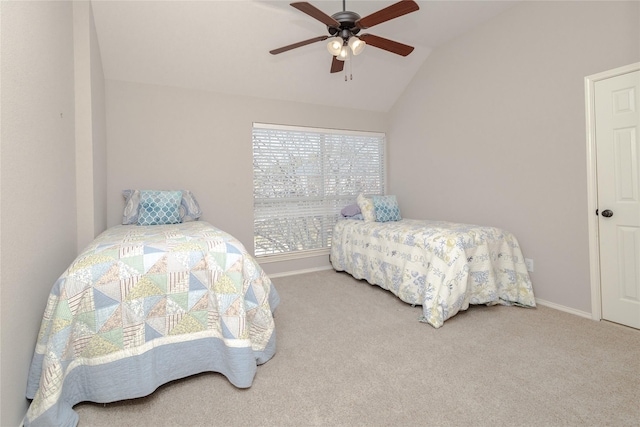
pixel 303 178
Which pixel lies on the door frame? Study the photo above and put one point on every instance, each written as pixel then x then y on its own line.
pixel 592 182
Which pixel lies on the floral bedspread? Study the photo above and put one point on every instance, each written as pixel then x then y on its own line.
pixel 439 265
pixel 145 305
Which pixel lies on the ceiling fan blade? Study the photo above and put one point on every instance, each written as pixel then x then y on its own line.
pixel 386 44
pixel 299 44
pixel 316 13
pixel 395 10
pixel 336 65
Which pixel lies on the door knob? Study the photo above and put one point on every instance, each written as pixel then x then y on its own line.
pixel 607 213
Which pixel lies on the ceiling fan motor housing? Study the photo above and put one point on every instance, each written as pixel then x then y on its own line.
pixel 347 22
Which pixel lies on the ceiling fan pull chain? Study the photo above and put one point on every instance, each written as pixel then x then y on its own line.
pixel 345 68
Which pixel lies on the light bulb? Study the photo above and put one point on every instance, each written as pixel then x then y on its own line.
pixel 356 45
pixel 335 45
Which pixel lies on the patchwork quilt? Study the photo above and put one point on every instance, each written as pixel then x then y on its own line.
pixel 439 265
pixel 145 305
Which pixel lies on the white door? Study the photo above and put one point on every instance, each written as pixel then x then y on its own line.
pixel 617 130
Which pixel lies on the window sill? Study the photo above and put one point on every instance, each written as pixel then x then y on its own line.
pixel 265 259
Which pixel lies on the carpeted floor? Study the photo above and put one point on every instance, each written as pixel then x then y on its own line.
pixel 352 354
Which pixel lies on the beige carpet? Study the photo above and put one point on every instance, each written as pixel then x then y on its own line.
pixel 352 354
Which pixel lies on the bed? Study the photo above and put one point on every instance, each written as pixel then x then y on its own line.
pixel 145 305
pixel 442 266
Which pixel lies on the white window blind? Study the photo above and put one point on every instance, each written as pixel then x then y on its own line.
pixel 303 177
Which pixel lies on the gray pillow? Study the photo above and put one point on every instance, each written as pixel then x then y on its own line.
pixel 350 210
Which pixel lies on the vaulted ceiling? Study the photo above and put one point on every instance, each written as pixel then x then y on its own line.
pixel 223 46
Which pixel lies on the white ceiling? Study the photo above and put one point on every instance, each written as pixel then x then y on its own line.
pixel 223 46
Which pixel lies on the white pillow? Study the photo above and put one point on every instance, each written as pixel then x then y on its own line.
pixel 366 207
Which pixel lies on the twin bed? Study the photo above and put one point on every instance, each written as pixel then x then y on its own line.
pixel 143 305
pixel 442 266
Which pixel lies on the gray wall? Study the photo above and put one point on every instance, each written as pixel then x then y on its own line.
pixel 90 132
pixel 169 138
pixel 38 222
pixel 492 131
pixel 48 65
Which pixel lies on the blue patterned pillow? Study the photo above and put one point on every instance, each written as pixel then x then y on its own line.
pixel 386 208
pixel 189 207
pixel 159 207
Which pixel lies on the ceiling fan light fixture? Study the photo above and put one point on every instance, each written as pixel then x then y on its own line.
pixel 335 45
pixel 356 45
pixel 343 55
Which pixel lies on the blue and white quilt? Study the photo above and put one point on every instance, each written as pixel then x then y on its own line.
pixel 145 305
pixel 439 265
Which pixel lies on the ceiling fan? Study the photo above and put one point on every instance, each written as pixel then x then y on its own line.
pixel 343 27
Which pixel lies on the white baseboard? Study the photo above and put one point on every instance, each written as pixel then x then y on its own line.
pixel 564 308
pixel 538 300
pixel 308 270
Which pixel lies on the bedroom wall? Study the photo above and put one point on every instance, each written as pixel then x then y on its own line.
pixel 90 135
pixel 492 131
pixel 171 138
pixel 38 220
pixel 98 132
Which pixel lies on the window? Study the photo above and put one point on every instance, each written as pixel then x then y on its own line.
pixel 303 177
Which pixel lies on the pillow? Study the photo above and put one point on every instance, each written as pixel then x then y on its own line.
pixel 159 207
pixel 366 207
pixel 350 210
pixel 131 204
pixel 189 207
pixel 386 208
